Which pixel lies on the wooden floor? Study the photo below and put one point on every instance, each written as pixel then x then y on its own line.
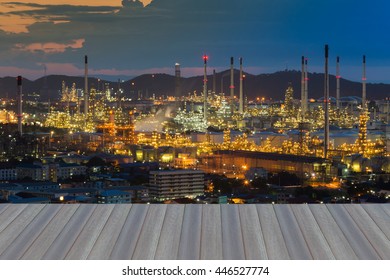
pixel 194 232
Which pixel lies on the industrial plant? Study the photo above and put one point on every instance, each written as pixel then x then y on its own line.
pixel 101 144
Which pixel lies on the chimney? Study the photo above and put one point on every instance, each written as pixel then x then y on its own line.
pixel 306 96
pixel 326 100
pixel 241 104
pixel 177 81
pixel 205 58
pixel 232 85
pixel 303 87
pixel 86 93
pixel 364 79
pixel 214 83
pixel 20 101
pixel 338 83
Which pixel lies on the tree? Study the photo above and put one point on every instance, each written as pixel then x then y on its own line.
pixel 96 161
pixel 284 179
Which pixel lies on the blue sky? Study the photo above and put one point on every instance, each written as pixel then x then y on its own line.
pixel 269 35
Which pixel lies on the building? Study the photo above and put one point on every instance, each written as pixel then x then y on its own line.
pixel 8 172
pixel 61 171
pixel 35 172
pixel 185 161
pixel 171 184
pixel 113 197
pixel 239 162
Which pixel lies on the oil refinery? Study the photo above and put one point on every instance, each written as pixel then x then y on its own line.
pixel 322 141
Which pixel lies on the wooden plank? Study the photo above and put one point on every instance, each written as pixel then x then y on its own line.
pixel 333 234
pixel 272 234
pixel 90 232
pixel 379 216
pixel 9 214
pixel 371 231
pixel 49 235
pixel 189 246
pixel 150 234
pixel 168 244
pixel 352 232
pixel 18 224
pixel 254 245
pixel 211 233
pixel 3 206
pixel 315 239
pixel 127 240
pixel 292 234
pixel 232 242
pixel 65 240
pixel 108 237
pixel 386 208
pixel 21 243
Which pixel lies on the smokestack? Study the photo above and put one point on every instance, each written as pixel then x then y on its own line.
pixel 214 83
pixel 338 83
pixel 306 95
pixel 86 93
pixel 326 100
pixel 241 105
pixel 205 58
pixel 177 81
pixel 303 87
pixel 231 85
pixel 131 127
pixel 364 79
pixel 119 100
pixel 20 100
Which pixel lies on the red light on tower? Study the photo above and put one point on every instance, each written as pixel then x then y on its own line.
pixel 205 58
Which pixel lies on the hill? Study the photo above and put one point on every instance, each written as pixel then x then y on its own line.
pixel 263 85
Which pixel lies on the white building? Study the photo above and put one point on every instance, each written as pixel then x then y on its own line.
pixel 172 184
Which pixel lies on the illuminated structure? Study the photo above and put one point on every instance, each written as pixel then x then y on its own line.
pixel 241 100
pixel 162 130
pixel 288 100
pixel 364 80
pixel 361 142
pixel 306 96
pixel 118 128
pixel 338 77
pixel 205 102
pixel 171 184
pixel 20 102
pixel 303 89
pixel 86 93
pixel 177 81
pixel 232 85
pixel 327 104
pixel 190 120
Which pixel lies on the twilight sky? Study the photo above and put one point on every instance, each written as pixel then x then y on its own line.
pixel 137 39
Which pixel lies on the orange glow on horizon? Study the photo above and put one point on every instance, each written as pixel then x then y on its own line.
pixel 113 3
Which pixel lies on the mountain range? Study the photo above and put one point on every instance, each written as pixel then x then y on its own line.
pixel 264 85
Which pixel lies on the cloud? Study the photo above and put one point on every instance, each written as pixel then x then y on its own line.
pixel 18 17
pixel 51 47
pixel 268 34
